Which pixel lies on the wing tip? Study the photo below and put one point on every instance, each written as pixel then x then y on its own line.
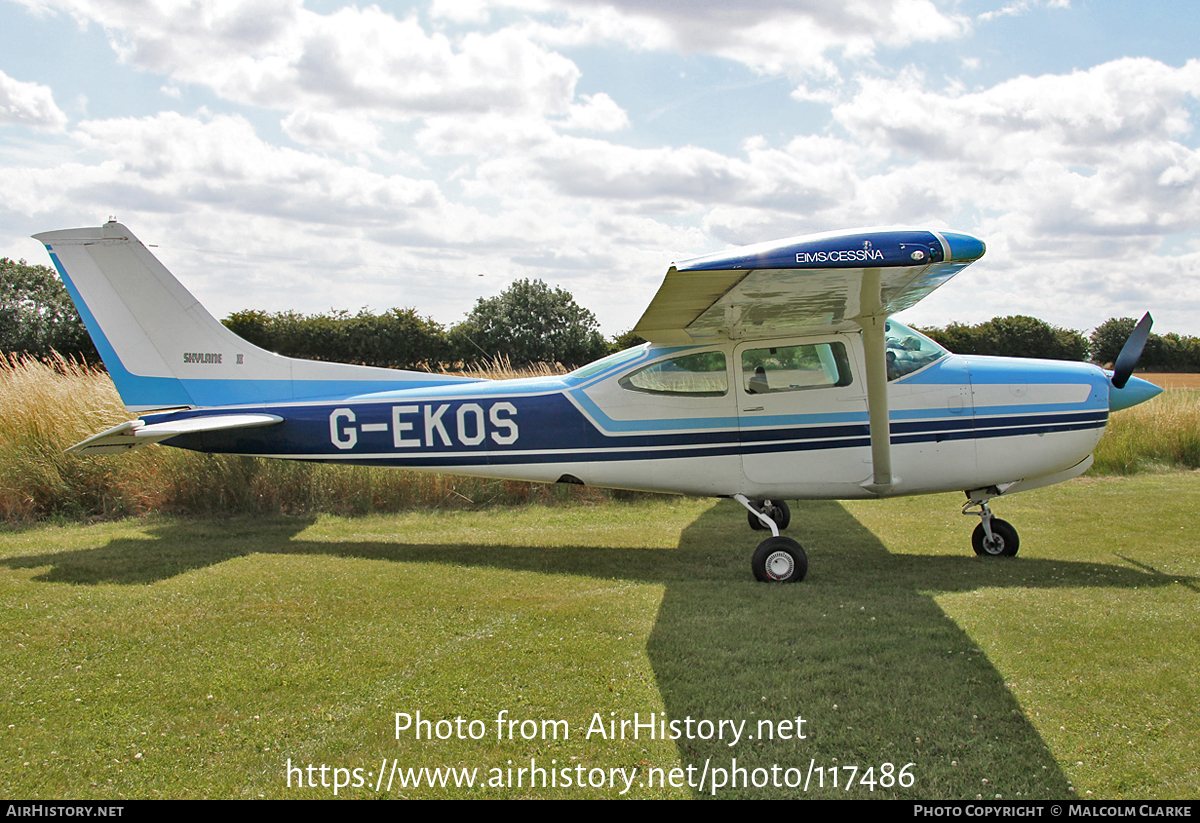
pixel 964 248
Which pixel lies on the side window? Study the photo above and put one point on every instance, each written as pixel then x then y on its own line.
pixel 695 375
pixel 795 368
pixel 908 350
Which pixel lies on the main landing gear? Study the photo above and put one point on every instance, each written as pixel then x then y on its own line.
pixel 993 537
pixel 776 510
pixel 777 559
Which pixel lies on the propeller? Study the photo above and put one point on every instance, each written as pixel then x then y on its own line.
pixel 1131 351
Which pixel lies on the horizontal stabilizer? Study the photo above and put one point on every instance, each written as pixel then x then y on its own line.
pixel 134 434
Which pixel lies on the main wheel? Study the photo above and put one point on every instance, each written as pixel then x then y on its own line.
pixel 779 560
pixel 1004 542
pixel 777 511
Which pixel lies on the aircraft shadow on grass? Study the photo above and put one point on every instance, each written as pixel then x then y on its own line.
pixel 861 650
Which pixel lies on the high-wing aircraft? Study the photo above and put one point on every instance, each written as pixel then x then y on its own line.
pixel 773 372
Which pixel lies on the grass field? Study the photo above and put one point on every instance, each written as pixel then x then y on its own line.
pixel 195 657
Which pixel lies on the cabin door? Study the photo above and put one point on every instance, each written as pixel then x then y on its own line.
pixel 802 414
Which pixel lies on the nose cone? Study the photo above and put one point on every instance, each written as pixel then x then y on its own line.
pixel 1136 391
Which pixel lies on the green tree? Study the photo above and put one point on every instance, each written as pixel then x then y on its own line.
pixel 37 315
pixel 530 323
pixel 396 339
pixel 1110 336
pixel 1167 352
pixel 255 327
pixel 1015 336
pixel 626 340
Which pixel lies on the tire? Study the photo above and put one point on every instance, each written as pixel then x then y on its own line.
pixel 1005 541
pixel 780 513
pixel 779 560
pixel 754 522
pixel 777 511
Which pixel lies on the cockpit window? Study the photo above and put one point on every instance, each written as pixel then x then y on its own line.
pixel 595 367
pixel 908 350
pixel 794 368
pixel 696 375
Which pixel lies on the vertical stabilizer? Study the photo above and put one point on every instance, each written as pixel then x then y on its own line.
pixel 164 350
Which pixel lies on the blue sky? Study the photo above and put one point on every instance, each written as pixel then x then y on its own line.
pixel 290 155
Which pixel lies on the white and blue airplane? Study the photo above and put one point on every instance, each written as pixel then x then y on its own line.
pixel 773 372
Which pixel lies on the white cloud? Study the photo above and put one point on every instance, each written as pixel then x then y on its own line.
pixel 596 112
pixel 278 55
pixel 29 104
pixel 332 132
pixel 461 11
pixel 220 161
pixel 768 35
pixel 1018 146
pixel 210 182
pixel 1021 7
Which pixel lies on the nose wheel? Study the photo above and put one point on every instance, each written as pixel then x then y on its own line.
pixel 993 537
pixel 1003 541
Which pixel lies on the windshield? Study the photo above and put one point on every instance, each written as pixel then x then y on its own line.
pixel 908 350
pixel 592 369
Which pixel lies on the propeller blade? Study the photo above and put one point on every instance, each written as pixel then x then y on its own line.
pixel 1131 351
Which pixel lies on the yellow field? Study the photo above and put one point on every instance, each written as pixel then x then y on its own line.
pixel 1172 380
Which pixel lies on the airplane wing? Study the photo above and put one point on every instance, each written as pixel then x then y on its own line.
pixel 811 284
pixel 134 434
pixel 837 281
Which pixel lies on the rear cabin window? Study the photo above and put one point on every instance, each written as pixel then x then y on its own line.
pixel 693 375
pixel 795 368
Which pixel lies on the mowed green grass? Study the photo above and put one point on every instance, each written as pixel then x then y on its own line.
pixel 194 658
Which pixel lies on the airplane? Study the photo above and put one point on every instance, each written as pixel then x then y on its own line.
pixel 773 372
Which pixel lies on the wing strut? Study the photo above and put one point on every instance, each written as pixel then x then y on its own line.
pixel 873 322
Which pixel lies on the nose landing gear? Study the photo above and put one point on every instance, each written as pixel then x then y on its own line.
pixel 993 537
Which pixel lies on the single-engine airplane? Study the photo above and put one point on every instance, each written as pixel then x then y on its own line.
pixel 773 372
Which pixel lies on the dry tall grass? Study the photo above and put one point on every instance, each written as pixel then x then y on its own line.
pixel 501 368
pixel 47 407
pixel 1163 433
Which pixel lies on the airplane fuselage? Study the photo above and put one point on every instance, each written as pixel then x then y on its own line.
pixel 956 423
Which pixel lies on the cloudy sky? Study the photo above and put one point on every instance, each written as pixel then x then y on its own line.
pixel 311 155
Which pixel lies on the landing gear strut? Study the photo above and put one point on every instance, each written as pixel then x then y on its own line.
pixel 777 559
pixel 993 537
